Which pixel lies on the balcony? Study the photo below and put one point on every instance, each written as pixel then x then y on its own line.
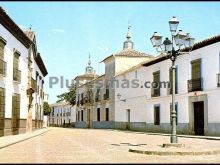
pixel 97 99
pixel 3 67
pixel 195 85
pixel 78 103
pixel 33 84
pixel 106 96
pixel 218 80
pixel 155 92
pixel 82 102
pixel 41 93
pixel 16 75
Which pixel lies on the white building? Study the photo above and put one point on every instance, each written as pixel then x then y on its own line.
pixel 95 104
pixel 20 64
pixel 148 109
pixel 62 114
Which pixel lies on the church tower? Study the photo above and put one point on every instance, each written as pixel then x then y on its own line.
pixel 89 68
pixel 128 44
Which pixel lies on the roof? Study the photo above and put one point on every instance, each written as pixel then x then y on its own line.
pixel 86 75
pixel 41 65
pixel 13 28
pixel 99 77
pixel 204 43
pixel 196 46
pixel 60 104
pixel 128 53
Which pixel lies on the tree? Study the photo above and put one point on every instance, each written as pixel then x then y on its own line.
pixel 47 108
pixel 69 96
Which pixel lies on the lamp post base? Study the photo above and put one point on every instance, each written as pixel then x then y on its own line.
pixel 173 139
pixel 177 145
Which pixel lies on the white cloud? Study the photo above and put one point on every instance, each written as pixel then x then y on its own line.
pixel 58 30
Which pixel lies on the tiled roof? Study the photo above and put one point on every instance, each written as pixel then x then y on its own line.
pixel 13 28
pixel 129 53
pixel 87 76
pixel 204 43
pixel 196 46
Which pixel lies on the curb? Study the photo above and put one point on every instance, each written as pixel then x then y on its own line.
pixel 166 134
pixel 175 153
pixel 7 145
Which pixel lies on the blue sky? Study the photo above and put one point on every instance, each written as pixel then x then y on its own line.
pixel 68 31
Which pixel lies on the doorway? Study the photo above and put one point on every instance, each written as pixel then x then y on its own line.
pixel 88 118
pixel 128 119
pixel 199 118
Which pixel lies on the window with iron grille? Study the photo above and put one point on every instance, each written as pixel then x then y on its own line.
pixel 2 110
pixel 157 115
pixel 15 111
pixel 2 62
pixel 107 114
pixel 98 114
pixel 16 71
pixel 156 80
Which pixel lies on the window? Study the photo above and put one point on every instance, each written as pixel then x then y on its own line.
pixel 78 115
pixel 2 63
pixel 2 110
pixel 195 84
pixel 156 84
pixel 16 71
pixel 15 113
pixel 171 80
pixel 81 115
pixel 97 98
pixel 176 108
pixel 196 69
pixel 98 114
pixel 107 114
pixel 157 115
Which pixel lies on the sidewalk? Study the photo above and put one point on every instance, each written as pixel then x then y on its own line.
pixel 6 141
pixel 164 134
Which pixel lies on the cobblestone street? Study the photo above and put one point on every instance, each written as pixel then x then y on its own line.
pixel 63 145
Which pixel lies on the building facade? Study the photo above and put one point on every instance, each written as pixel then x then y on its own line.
pixel 145 108
pixel 20 63
pixel 62 115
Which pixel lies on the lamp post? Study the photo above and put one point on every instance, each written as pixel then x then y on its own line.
pixel 181 40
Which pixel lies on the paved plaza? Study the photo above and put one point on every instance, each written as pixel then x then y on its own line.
pixel 65 145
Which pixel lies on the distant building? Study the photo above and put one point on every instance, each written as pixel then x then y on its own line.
pixel 22 73
pixel 62 115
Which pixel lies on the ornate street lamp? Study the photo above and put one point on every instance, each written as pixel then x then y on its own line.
pixel 181 39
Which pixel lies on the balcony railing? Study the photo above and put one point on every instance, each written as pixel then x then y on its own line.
pixel 3 67
pixel 195 85
pixel 155 92
pixel 16 75
pixel 218 80
pixel 97 99
pixel 78 103
pixel 106 96
pixel 33 84
pixel 82 102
